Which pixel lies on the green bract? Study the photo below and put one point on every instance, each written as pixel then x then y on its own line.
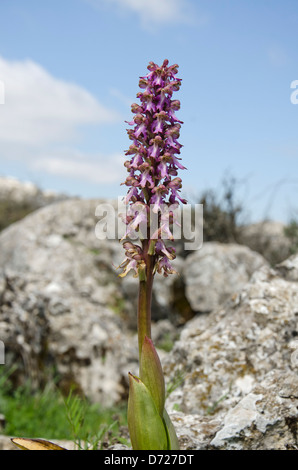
pixel 149 425
pixel 146 427
pixel 151 374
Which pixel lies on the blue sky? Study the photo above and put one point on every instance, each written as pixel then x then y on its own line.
pixel 70 70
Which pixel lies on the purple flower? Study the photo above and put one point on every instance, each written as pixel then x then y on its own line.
pixel 159 122
pixel 176 163
pixel 158 197
pixel 132 195
pixel 164 266
pixel 153 155
pixel 153 181
pixel 161 249
pixel 133 259
pixel 155 146
pixel 163 168
pixel 145 178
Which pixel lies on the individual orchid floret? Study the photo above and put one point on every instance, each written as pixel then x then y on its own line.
pixel 136 220
pixel 157 199
pixel 161 250
pixel 155 148
pixel 164 267
pixel 133 259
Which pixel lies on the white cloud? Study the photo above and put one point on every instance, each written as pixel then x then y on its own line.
pixel 76 165
pixel 40 108
pixel 154 12
pixel 40 122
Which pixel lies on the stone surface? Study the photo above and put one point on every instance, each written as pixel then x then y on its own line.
pixel 63 306
pixel 216 272
pixel 220 357
pixel 60 302
pixel 288 269
pixel 265 419
pixel 232 373
pixel 194 432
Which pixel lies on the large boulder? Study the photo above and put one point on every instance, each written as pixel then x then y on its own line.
pixel 288 269
pixel 63 306
pixel 231 376
pixel 61 302
pixel 266 418
pixel 216 272
pixel 222 356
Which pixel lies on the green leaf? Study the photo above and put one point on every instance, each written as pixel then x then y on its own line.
pixel 151 374
pixel 173 443
pixel 35 444
pixel 146 427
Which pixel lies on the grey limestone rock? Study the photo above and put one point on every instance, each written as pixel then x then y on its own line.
pixel 216 272
pixel 59 298
pixel 221 356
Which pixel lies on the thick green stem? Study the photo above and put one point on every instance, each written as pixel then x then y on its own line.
pixel 145 297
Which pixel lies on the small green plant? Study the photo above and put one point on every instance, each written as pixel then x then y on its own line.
pixel 47 413
pixel 176 381
pixel 222 210
pixel 291 232
pixel 166 343
pixel 87 432
pixel 211 409
pixel 12 211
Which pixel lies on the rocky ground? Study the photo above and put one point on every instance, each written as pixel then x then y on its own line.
pixel 230 317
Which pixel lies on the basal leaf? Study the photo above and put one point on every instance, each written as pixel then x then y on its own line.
pixel 35 444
